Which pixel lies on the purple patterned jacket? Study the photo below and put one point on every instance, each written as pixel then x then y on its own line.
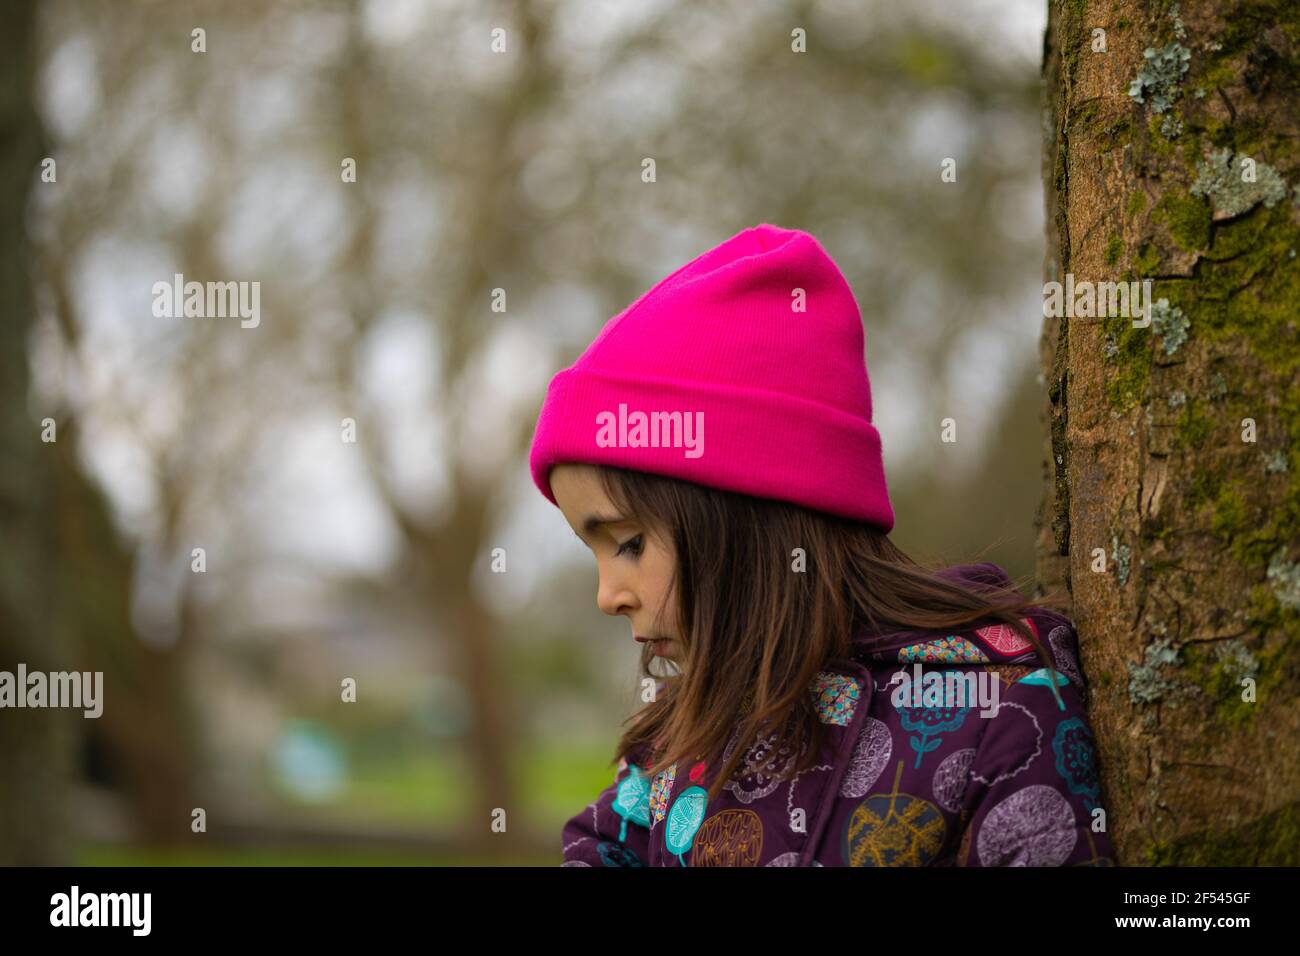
pixel 944 750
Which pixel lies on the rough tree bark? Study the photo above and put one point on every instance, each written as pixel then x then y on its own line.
pixel 1172 154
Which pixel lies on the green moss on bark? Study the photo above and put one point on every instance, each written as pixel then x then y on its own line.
pixel 1114 249
pixel 1147 261
pixel 1229 512
pixel 1073 31
pixel 1247 290
pixel 1219 670
pixel 1157 143
pixel 1187 218
pixel 1248 287
pixel 1203 486
pixel 1132 359
pixel 1270 840
pixel 1194 426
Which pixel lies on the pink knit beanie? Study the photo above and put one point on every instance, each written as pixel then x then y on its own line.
pixel 743 370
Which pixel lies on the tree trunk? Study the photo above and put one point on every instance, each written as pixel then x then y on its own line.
pixel 65 579
pixel 1172 155
pixel 37 747
pixel 148 728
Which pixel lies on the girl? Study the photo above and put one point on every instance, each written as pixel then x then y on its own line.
pixel 813 696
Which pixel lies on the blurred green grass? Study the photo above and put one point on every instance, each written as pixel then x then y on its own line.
pixel 424 792
pixel 552 784
pixel 92 854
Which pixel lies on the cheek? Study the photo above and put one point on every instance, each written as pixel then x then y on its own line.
pixel 661 576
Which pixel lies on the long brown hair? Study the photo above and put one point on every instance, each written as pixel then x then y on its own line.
pixel 755 633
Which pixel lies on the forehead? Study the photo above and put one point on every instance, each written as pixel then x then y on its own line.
pixel 578 488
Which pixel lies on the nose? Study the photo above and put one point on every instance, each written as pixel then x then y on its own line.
pixel 613 596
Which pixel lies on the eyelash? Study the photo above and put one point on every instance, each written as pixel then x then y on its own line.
pixel 629 545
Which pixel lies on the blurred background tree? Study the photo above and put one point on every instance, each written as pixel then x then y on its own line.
pixel 516 169
pixel 36 748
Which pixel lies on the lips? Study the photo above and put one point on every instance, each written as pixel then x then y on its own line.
pixel 658 645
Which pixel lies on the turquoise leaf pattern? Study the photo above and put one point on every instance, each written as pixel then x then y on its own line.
pixel 632 800
pixel 684 820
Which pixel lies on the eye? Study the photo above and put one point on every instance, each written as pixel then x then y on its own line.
pixel 631 546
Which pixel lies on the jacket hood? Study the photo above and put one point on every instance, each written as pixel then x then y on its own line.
pixel 979 643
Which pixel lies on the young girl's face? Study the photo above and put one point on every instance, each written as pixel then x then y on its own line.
pixel 635 566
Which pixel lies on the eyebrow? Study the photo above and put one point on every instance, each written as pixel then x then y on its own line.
pixel 595 521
